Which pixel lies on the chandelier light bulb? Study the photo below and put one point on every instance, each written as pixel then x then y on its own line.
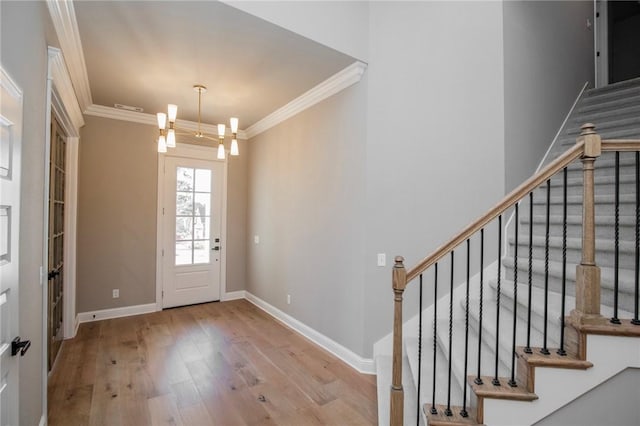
pixel 173 112
pixel 162 120
pixel 221 155
pixel 234 147
pixel 162 144
pixel 171 138
pixel 221 130
pixel 234 125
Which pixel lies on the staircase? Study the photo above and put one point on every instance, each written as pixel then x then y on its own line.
pixel 615 110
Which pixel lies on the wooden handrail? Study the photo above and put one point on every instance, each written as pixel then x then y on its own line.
pixel 621 145
pixel 512 198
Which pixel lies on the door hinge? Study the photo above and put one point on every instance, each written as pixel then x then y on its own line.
pixel 163 211
pixel 163 294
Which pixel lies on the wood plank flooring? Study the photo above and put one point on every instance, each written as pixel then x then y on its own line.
pixel 222 363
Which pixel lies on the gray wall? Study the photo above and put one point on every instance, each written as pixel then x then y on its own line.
pixel 117 201
pixel 435 153
pixel 548 56
pixel 117 195
pixel 25 28
pixel 306 204
pixel 614 402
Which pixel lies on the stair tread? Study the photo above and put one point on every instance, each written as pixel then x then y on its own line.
pixel 502 391
pixel 454 420
pixel 553 359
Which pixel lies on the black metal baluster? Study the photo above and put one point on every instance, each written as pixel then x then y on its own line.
pixel 512 382
pixel 544 349
pixel 448 411
pixel 527 349
pixel 478 379
pixel 561 351
pixel 616 252
pixel 419 354
pixel 636 320
pixel 495 380
pixel 435 337
pixel 463 412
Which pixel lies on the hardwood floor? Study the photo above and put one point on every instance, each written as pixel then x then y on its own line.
pixel 225 363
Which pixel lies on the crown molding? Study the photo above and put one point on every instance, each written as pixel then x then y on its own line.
pixel 63 16
pixel 150 119
pixel 64 93
pixel 334 84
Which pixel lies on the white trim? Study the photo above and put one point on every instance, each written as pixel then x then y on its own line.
pixel 124 311
pixel 43 421
pixel 63 16
pixel 70 238
pixel 233 295
pixel 197 152
pixel 145 118
pixel 600 41
pixel 363 365
pixel 334 84
pixel 9 84
pixel 564 122
pixel 65 95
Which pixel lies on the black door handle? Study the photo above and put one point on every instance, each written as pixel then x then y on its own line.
pixel 19 346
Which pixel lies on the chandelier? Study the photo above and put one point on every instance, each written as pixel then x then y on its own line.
pixel 167 138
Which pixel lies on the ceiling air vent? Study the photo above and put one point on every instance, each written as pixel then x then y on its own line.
pixel 128 107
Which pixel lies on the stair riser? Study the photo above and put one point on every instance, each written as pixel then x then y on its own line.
pixel 602 116
pixel 625 295
pixel 605 209
pixel 626 232
pixel 626 259
pixel 614 124
pixel 631 93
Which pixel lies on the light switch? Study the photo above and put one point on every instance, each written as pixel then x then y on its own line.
pixel 382 259
pixel 256 239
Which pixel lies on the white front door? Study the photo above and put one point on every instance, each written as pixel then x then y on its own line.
pixel 10 146
pixel 192 219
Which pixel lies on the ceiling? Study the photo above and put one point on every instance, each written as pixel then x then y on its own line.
pixel 150 53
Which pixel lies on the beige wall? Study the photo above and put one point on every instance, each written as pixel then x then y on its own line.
pixel 117 200
pixel 26 31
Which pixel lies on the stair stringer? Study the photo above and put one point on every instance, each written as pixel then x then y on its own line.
pixel 557 387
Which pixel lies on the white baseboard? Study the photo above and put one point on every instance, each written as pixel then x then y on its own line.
pixel 116 312
pixel 43 420
pixel 363 365
pixel 233 295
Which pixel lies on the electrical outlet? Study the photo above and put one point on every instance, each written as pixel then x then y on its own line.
pixel 288 299
pixel 116 293
pixel 256 239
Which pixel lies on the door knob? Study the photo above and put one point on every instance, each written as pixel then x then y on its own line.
pixel 21 346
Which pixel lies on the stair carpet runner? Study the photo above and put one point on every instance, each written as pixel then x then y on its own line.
pixel 615 110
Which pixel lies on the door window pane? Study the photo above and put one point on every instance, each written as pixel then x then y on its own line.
pixel 184 252
pixel 184 228
pixel 203 204
pixel 184 203
pixel 203 180
pixel 201 251
pixel 184 179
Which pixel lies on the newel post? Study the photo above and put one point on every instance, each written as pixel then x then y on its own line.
pixel 397 393
pixel 587 272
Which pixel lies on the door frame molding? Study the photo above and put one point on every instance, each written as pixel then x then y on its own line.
pixel 196 152
pixel 62 101
pixel 601 42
